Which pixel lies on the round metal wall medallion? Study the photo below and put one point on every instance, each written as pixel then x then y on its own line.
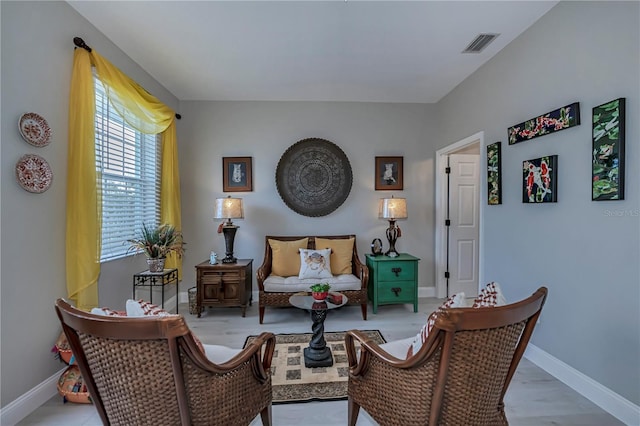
pixel 314 177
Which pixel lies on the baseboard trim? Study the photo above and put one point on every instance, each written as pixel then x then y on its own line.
pixel 27 403
pixel 616 405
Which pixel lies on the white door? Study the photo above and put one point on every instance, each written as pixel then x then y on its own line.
pixel 464 227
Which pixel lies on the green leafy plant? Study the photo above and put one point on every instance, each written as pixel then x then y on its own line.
pixel 320 287
pixel 157 242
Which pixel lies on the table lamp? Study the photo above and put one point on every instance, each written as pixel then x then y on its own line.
pixel 229 208
pixel 392 209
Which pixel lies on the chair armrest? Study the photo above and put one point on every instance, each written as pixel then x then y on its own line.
pixel 265 269
pixel 360 270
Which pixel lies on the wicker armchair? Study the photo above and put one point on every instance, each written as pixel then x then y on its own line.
pixel 458 377
pixel 151 371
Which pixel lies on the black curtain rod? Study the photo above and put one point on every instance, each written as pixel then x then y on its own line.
pixel 79 42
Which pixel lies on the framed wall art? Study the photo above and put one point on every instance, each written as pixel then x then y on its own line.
pixel 388 173
pixel 539 180
pixel 551 122
pixel 236 174
pixel 494 174
pixel 607 157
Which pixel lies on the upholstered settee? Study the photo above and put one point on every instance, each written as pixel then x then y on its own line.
pixel 280 274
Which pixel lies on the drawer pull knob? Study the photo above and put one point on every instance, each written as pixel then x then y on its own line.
pixel 396 290
pixel 396 271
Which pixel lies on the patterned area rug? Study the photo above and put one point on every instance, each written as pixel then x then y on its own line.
pixel 293 382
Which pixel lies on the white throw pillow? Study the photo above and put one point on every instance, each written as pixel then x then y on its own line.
pixel 315 263
pixel 455 301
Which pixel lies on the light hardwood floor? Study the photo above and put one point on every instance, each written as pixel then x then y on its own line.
pixel 534 398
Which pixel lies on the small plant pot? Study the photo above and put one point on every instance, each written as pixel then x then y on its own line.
pixel 156 265
pixel 319 296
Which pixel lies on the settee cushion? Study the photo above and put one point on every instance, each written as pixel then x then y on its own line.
pixel 315 264
pixel 278 284
pixel 341 253
pixel 286 259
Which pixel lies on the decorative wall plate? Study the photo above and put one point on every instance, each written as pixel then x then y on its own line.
pixel 314 177
pixel 33 173
pixel 34 129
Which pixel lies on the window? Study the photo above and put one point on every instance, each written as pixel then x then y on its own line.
pixel 128 172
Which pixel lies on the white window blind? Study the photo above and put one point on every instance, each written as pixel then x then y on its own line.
pixel 128 166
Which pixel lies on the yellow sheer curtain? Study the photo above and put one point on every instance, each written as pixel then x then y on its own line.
pixel 83 239
pixel 143 112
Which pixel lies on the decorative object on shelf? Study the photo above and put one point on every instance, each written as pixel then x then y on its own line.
pixel 551 122
pixel 376 247
pixel 320 291
pixel 607 169
pixel 157 243
pixel 392 209
pixel 314 177
pixel 213 258
pixel 229 208
pixel 389 173
pixel 34 129
pixel 33 173
pixel 236 174
pixel 540 180
pixel 494 174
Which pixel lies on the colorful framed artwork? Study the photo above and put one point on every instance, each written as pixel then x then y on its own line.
pixel 388 173
pixel 539 180
pixel 551 122
pixel 607 157
pixel 236 174
pixel 494 174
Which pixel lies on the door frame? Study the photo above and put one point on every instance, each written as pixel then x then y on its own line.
pixel 441 210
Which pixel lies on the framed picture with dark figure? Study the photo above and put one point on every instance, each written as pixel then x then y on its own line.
pixel 389 173
pixel 236 174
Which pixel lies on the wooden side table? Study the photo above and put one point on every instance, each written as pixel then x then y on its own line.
pixel 224 284
pixel 393 280
pixel 156 279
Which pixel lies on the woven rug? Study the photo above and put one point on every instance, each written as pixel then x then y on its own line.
pixel 292 382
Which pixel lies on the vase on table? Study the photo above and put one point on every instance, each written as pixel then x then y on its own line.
pixel 319 296
pixel 156 265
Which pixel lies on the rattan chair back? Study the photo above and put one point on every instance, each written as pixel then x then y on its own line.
pixel 458 377
pixel 142 371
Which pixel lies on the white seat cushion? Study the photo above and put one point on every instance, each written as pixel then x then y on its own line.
pixel 277 284
pixel 398 348
pixel 219 354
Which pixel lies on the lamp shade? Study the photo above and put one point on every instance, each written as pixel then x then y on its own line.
pixel 229 208
pixel 392 208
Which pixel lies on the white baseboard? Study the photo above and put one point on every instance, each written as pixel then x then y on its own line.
pixel 27 403
pixel 616 405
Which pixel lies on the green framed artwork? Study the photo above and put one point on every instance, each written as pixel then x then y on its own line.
pixel 494 174
pixel 607 156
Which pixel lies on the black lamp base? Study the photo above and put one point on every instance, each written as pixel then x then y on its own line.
pixel 229 235
pixel 393 233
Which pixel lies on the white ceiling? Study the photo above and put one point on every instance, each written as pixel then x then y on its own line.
pixel 366 51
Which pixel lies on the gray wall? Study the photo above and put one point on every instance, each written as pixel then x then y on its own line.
pixel 37 55
pixel 264 130
pixel 585 252
pixel 586 52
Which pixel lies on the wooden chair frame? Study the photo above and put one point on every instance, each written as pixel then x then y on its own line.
pixel 459 376
pixel 151 371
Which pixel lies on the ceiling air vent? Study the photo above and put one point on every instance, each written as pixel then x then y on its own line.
pixel 479 43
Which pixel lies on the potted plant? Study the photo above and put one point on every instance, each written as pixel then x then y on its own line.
pixel 157 243
pixel 320 291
